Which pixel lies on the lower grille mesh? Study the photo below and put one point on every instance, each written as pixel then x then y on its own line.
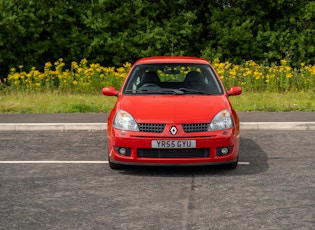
pixel 173 153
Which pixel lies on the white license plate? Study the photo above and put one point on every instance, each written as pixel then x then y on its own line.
pixel 173 144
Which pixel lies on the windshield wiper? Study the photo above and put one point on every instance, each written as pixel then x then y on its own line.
pixel 145 91
pixel 193 91
pixel 158 91
pixel 172 91
pixel 179 91
pixel 182 91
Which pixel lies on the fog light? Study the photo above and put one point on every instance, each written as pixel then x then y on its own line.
pixel 224 150
pixel 123 151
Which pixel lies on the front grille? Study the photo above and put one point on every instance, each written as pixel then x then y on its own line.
pixel 151 128
pixel 173 153
pixel 192 128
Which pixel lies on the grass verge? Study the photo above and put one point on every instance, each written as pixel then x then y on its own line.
pixel 274 102
pixel 84 103
pixel 55 103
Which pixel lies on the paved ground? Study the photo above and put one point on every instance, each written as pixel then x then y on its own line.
pixel 58 189
pixel 61 180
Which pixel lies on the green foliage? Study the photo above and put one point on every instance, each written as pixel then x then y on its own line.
pixel 130 30
pixel 264 31
pixel 112 32
pixel 33 32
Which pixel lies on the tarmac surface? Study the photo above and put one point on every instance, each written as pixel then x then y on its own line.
pixel 97 121
pixel 62 180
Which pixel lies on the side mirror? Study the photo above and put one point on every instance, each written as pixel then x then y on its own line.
pixel 235 90
pixel 110 91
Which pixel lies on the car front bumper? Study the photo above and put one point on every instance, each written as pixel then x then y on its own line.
pixel 135 148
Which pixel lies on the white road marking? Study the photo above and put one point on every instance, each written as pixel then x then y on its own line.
pixel 243 163
pixel 71 162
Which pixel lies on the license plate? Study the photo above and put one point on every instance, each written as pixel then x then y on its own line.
pixel 173 144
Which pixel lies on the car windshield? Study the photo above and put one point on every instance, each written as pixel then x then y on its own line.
pixel 173 78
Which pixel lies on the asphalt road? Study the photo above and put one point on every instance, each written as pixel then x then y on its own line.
pixel 60 180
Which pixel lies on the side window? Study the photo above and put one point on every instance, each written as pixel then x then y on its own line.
pixel 133 81
pixel 212 81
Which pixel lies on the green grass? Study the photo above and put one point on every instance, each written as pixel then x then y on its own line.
pixel 289 101
pixel 55 103
pixel 96 103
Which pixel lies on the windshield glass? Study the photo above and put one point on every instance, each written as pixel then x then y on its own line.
pixel 173 79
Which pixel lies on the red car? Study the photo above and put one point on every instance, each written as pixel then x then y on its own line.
pixel 173 111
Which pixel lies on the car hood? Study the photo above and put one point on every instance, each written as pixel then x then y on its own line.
pixel 173 108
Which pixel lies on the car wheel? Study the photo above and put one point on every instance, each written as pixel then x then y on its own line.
pixel 114 165
pixel 231 165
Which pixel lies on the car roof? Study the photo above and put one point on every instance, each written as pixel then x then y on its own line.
pixel 171 59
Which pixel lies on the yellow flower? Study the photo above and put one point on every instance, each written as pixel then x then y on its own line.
pixel 121 70
pixel 227 65
pixel 127 65
pixel 220 71
pixel 74 65
pixel 257 75
pixel 47 66
pixel 289 75
pixel 250 63
pixel 16 76
pixel 233 72
pixel 248 72
pixel 283 62
pixel 83 61
pixel 216 60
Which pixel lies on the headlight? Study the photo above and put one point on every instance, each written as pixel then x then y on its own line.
pixel 123 120
pixel 223 120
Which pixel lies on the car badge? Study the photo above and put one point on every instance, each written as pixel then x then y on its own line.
pixel 173 130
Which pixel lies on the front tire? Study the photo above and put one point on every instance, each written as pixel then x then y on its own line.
pixel 115 166
pixel 231 166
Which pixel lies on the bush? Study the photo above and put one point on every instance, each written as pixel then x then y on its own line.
pixel 80 78
pixel 112 32
pixel 91 78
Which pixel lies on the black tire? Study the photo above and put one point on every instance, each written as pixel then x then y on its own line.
pixel 231 166
pixel 115 166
